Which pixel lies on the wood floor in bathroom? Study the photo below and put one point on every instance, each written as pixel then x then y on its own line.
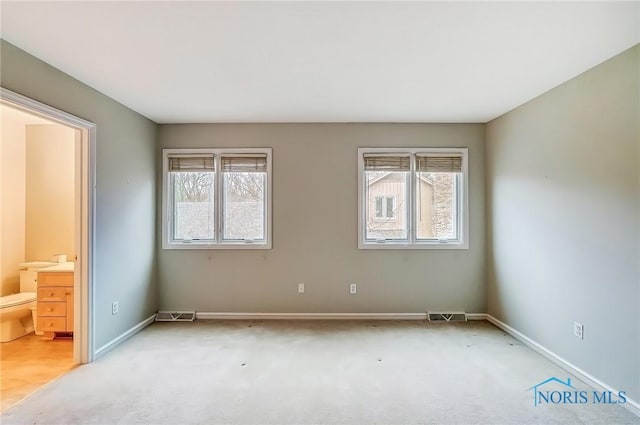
pixel 29 363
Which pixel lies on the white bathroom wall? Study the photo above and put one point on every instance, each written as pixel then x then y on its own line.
pixel 1 204
pixel 50 190
pixel 12 200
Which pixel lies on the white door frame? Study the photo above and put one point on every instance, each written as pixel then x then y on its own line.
pixel 83 351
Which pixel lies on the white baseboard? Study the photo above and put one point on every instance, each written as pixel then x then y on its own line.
pixel 323 316
pixel 312 316
pixel 631 405
pixel 125 336
pixel 476 316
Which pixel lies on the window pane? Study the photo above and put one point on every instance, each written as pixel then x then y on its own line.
pixel 378 206
pixel 436 205
pixel 193 211
pixel 390 207
pixel 244 205
pixel 386 221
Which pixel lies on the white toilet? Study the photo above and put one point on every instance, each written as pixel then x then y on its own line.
pixel 15 310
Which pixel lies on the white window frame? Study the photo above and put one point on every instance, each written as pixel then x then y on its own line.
pixel 412 242
pixel 218 242
pixel 384 210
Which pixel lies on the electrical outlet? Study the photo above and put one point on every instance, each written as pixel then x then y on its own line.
pixel 114 308
pixel 353 288
pixel 300 288
pixel 578 330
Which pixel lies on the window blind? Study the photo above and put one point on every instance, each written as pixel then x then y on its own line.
pixel 439 164
pixel 191 163
pixel 245 163
pixel 386 162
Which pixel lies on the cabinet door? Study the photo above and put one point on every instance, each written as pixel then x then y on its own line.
pixel 70 310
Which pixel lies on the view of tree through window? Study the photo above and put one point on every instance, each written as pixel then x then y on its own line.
pixel 217 198
pixel 244 205
pixel 436 204
pixel 193 195
pixel 194 205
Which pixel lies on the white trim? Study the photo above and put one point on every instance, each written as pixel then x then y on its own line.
pixel 390 244
pixel 476 316
pixel 42 110
pixel 631 405
pixel 125 336
pixel 310 316
pixel 84 326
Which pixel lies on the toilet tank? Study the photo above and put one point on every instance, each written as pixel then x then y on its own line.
pixel 29 280
pixel 29 274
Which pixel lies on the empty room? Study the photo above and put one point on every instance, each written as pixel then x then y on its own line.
pixel 320 212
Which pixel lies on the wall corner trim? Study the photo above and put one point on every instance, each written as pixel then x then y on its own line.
pixel 125 336
pixel 631 405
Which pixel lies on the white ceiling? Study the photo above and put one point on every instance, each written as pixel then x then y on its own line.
pixel 322 61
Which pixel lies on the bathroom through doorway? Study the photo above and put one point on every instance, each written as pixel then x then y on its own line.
pixel 46 199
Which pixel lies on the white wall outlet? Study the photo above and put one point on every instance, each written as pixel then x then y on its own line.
pixel 114 308
pixel 300 288
pixel 578 330
pixel 353 288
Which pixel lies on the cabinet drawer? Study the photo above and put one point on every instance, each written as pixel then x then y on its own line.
pixel 52 294
pixel 55 279
pixel 52 309
pixel 52 324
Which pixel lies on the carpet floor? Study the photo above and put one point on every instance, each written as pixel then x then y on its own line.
pixel 312 372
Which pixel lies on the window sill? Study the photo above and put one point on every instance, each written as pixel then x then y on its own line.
pixel 417 245
pixel 239 245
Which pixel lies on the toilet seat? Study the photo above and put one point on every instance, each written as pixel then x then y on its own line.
pixel 17 299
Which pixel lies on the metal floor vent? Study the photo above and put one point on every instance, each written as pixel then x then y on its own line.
pixel 450 316
pixel 175 316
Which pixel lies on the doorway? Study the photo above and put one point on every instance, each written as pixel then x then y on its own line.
pixel 75 168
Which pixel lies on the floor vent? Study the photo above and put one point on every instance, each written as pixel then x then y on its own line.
pixel 175 316
pixel 449 316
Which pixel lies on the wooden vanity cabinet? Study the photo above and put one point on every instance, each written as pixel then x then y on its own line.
pixel 55 303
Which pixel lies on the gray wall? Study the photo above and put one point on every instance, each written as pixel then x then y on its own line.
pixel 315 229
pixel 563 208
pixel 125 268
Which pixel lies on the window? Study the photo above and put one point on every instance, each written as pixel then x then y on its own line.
pixel 216 198
pixel 385 207
pixel 412 198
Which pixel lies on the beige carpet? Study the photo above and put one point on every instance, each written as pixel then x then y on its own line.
pixel 304 372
